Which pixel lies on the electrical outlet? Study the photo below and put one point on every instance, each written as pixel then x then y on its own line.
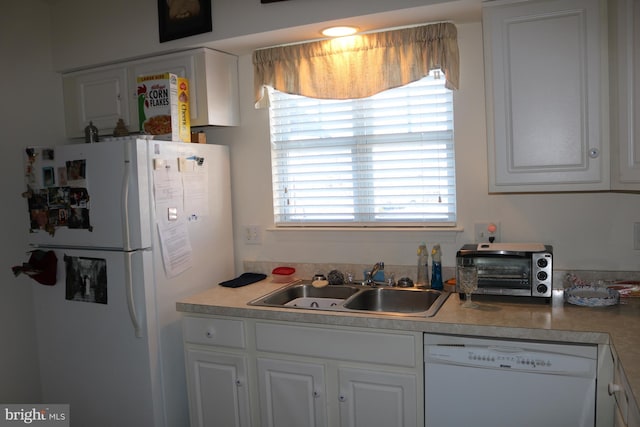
pixel 253 234
pixel 486 232
pixel 636 236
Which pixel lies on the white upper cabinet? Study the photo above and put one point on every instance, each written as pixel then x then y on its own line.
pixel 547 95
pixel 624 42
pixel 104 95
pixel 98 96
pixel 213 84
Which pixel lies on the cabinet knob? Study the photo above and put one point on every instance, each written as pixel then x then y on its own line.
pixel 238 383
pixel 613 388
pixel 342 398
pixel 210 334
pixel 316 394
pixel 594 153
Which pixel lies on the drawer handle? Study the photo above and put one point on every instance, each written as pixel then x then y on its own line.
pixel 342 398
pixel 614 388
pixel 210 334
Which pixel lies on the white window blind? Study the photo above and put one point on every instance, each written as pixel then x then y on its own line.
pixel 387 160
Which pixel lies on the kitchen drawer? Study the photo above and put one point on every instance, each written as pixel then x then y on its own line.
pixel 214 331
pixel 344 344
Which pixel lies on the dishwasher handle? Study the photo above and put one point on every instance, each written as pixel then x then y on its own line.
pixel 507 350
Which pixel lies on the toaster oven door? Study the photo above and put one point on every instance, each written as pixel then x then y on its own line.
pixel 503 275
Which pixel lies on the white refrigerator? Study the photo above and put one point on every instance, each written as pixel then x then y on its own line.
pixel 135 225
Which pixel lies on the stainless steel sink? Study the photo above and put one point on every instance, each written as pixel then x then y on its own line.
pixel 394 300
pixel 356 298
pixel 297 291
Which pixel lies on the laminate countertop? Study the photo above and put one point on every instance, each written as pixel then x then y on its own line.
pixel 618 325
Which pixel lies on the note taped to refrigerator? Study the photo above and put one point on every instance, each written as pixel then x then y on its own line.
pixel 196 192
pixel 168 191
pixel 176 247
pixel 171 221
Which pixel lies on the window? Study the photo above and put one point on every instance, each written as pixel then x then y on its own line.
pixel 387 160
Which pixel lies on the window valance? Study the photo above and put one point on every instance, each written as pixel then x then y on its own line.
pixel 359 66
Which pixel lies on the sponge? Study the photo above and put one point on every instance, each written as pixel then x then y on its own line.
pixel 319 283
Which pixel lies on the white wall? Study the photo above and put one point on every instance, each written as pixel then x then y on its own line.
pixel 89 32
pixel 588 231
pixel 30 113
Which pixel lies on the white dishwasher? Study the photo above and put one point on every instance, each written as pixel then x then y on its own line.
pixel 493 383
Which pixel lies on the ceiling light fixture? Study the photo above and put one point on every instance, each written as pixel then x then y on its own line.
pixel 339 31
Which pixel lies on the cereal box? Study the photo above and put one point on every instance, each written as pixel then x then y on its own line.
pixel 163 106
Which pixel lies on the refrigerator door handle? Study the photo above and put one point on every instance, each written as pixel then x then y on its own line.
pixel 127 243
pixel 128 277
pixel 126 240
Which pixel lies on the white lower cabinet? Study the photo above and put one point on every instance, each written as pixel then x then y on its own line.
pixel 218 391
pixel 374 398
pixel 217 371
pixel 330 376
pixel 292 394
pixel 627 413
pixel 247 372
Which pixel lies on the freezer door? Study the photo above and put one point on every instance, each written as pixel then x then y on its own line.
pixel 89 354
pixel 86 195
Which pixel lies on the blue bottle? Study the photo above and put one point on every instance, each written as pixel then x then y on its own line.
pixel 436 268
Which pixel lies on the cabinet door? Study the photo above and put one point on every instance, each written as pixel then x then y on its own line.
pixel 624 19
pixel 292 394
pixel 377 399
pixel 605 402
pixel 97 96
pixel 547 99
pixel 218 391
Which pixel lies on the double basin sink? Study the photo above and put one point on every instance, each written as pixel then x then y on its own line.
pixel 356 299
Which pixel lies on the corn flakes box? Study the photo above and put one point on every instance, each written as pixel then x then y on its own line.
pixel 163 106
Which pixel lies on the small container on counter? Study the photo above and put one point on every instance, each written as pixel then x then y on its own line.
pixel 282 274
pixel 422 278
pixel 436 271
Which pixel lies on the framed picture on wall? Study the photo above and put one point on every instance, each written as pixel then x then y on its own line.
pixel 183 18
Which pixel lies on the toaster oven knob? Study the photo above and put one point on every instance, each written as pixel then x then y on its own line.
pixel 542 262
pixel 542 275
pixel 542 289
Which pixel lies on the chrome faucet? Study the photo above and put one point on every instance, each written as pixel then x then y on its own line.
pixel 377 267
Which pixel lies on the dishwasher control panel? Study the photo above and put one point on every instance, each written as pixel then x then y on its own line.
pixel 511 358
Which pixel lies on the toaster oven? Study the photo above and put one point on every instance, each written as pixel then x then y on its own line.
pixel 517 269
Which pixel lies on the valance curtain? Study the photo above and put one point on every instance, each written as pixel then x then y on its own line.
pixel 358 66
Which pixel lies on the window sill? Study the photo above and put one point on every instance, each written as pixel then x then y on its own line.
pixel 441 234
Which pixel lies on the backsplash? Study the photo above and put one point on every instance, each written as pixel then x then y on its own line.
pixel 308 270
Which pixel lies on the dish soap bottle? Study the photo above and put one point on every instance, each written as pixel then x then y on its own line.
pixel 436 268
pixel 422 280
